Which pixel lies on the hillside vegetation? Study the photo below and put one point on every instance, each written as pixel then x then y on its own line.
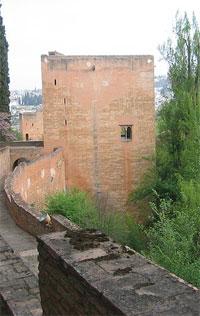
pixel 172 186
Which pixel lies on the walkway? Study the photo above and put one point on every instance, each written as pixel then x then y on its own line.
pixel 23 244
pixel 18 269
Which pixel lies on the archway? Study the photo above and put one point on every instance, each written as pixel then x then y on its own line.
pixel 18 161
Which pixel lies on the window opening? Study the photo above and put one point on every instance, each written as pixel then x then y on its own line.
pixel 129 132
pixel 27 137
pixel 126 132
pixel 55 82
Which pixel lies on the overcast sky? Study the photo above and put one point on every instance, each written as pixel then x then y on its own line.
pixel 34 27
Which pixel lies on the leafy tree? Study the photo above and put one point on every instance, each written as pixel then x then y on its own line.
pixel 178 118
pixel 173 184
pixel 4 77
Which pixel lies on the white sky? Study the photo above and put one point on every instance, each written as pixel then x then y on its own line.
pixel 34 27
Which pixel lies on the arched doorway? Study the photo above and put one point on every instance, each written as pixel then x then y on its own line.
pixel 18 161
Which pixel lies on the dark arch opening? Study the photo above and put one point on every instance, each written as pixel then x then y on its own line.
pixel 18 161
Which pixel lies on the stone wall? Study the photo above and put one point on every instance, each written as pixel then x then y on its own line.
pixel 4 165
pixel 85 273
pixel 24 152
pixel 21 143
pixel 35 180
pixel 87 100
pixel 23 185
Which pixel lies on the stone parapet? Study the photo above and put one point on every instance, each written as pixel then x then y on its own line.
pixel 86 273
pixel 30 143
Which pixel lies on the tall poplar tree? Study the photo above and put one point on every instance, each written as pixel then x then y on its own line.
pixel 4 75
pixel 179 117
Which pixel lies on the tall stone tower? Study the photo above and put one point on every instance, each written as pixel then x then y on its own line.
pixel 101 110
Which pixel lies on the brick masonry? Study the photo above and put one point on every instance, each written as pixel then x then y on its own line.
pixel 86 100
pixel 4 165
pixel 31 125
pixel 25 185
pixel 22 152
pixel 35 180
pixel 10 155
pixel 85 273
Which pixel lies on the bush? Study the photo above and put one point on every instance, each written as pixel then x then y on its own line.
pixel 174 242
pixel 78 207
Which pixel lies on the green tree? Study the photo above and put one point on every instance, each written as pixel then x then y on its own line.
pixel 4 76
pixel 175 178
pixel 178 118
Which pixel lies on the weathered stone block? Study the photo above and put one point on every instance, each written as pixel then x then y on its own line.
pixel 122 285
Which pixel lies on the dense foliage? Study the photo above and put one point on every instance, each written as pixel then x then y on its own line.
pixel 174 242
pixel 4 77
pixel 178 118
pixel 80 208
pixel 172 186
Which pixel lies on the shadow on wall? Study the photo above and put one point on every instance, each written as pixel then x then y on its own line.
pixel 18 161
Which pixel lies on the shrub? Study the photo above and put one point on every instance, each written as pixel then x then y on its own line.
pixel 174 242
pixel 78 207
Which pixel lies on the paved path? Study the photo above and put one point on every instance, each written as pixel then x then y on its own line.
pixel 23 244
pixel 19 290
pixel 18 270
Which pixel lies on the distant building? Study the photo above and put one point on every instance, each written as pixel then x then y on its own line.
pixel 17 103
pixel 100 109
pixel 31 125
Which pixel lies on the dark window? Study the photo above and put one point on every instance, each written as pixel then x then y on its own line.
pixel 32 124
pixel 27 137
pixel 65 122
pixel 129 132
pixel 55 82
pixel 126 132
pixel 64 101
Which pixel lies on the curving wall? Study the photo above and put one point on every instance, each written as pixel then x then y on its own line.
pixel 4 164
pixel 27 187
pixel 35 180
pixel 85 272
